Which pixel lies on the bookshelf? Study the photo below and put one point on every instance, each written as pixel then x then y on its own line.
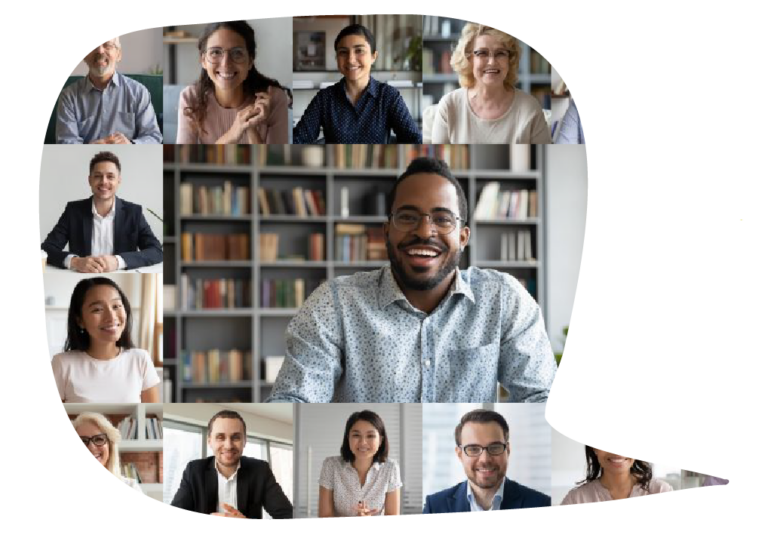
pixel 144 452
pixel 441 35
pixel 260 328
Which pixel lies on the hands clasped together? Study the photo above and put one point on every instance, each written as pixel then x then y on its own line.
pixel 364 511
pixel 94 264
pixel 115 138
pixel 249 118
pixel 229 511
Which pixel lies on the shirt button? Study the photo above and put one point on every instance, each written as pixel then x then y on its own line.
pixel 426 363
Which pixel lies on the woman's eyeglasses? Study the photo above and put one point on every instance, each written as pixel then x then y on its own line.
pixel 500 55
pixel 97 440
pixel 215 55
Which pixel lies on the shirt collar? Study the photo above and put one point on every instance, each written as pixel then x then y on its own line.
pixel 498 497
pixel 110 214
pixel 373 88
pixel 389 290
pixel 113 81
pixel 221 476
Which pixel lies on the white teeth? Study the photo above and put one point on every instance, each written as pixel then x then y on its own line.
pixel 422 252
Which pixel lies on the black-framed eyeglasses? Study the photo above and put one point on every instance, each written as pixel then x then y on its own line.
pixel 475 450
pixel 216 54
pixel 97 440
pixel 407 220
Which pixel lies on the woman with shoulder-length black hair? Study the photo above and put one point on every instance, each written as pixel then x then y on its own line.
pixel 362 481
pixel 232 102
pixel 358 108
pixel 99 363
pixel 614 477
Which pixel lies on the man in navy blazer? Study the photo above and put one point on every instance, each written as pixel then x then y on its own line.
pixel 229 484
pixel 482 446
pixel 104 232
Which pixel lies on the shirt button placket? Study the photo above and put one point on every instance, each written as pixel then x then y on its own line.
pixel 427 369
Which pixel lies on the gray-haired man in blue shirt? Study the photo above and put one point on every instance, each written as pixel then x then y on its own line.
pixel 419 329
pixel 106 107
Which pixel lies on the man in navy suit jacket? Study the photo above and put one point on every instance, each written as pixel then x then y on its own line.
pixel 104 232
pixel 229 484
pixel 482 446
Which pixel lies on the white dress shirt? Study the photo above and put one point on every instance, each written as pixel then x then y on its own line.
pixel 227 488
pixel 102 236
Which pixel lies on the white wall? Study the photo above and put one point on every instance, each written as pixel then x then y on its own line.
pixel 566 217
pixel 64 177
pixel 141 52
pixel 274 41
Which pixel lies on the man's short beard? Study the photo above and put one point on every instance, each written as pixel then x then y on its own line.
pixel 451 262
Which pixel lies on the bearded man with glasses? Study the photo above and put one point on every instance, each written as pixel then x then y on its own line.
pixel 419 329
pixel 482 446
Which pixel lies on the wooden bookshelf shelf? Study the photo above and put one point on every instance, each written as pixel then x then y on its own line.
pixel 217 264
pixel 212 218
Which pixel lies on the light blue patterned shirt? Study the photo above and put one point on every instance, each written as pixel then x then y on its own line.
pixel 571 131
pixel 498 497
pixel 86 113
pixel 358 339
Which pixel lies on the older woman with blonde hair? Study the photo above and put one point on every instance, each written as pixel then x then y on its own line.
pixel 101 439
pixel 488 109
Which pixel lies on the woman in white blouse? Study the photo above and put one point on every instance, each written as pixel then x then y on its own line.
pixel 487 108
pixel 614 477
pixel 362 481
pixel 101 439
pixel 99 363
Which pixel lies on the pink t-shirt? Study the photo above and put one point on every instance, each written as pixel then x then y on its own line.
pixel 595 491
pixel 82 379
pixel 218 120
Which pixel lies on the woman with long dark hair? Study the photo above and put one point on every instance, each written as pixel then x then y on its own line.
pixel 232 102
pixel 99 363
pixel 362 481
pixel 614 477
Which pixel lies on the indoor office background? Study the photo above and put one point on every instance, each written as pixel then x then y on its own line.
pixel 64 177
pixel 320 432
pixel 141 60
pixel 398 41
pixel 557 173
pixel 269 438
pixel 181 62
pixel 529 437
pixel 143 291
pixel 569 467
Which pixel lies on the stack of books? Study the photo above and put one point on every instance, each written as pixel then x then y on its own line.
pixel 494 204
pixel 203 247
pixel 216 366
pixel 297 201
pixel 226 200
pixel 287 293
pixel 200 294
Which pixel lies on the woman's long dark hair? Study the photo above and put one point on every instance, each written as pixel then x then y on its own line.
pixel 641 470
pixel 375 420
pixel 255 82
pixel 78 338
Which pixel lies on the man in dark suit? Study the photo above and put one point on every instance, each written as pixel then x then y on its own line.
pixel 104 232
pixel 482 446
pixel 229 484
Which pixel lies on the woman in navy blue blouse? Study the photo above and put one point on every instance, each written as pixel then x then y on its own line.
pixel 357 109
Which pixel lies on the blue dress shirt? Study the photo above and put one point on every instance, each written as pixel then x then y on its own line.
pixel 571 131
pixel 380 109
pixel 358 339
pixel 498 497
pixel 86 113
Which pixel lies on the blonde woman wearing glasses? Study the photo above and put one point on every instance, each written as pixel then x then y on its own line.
pixel 487 108
pixel 232 102
pixel 101 439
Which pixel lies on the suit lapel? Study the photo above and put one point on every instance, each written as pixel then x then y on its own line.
pixel 511 495
pixel 117 239
pixel 87 221
pixel 458 502
pixel 211 488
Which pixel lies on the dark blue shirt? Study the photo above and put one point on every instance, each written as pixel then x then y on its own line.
pixel 380 109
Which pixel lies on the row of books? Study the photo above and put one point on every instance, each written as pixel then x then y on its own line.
pixel 220 154
pixel 296 201
pixel 455 155
pixel 520 204
pixel 214 200
pixel 154 429
pixel 430 62
pixel 356 242
pixel 201 294
pixel 365 156
pixel 287 293
pixel 517 246
pixel 130 471
pixel 128 428
pixel 269 244
pixel 216 366
pixel 196 247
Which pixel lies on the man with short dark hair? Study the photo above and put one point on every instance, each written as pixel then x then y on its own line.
pixel 419 329
pixel 104 233
pixel 229 484
pixel 106 107
pixel 482 446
